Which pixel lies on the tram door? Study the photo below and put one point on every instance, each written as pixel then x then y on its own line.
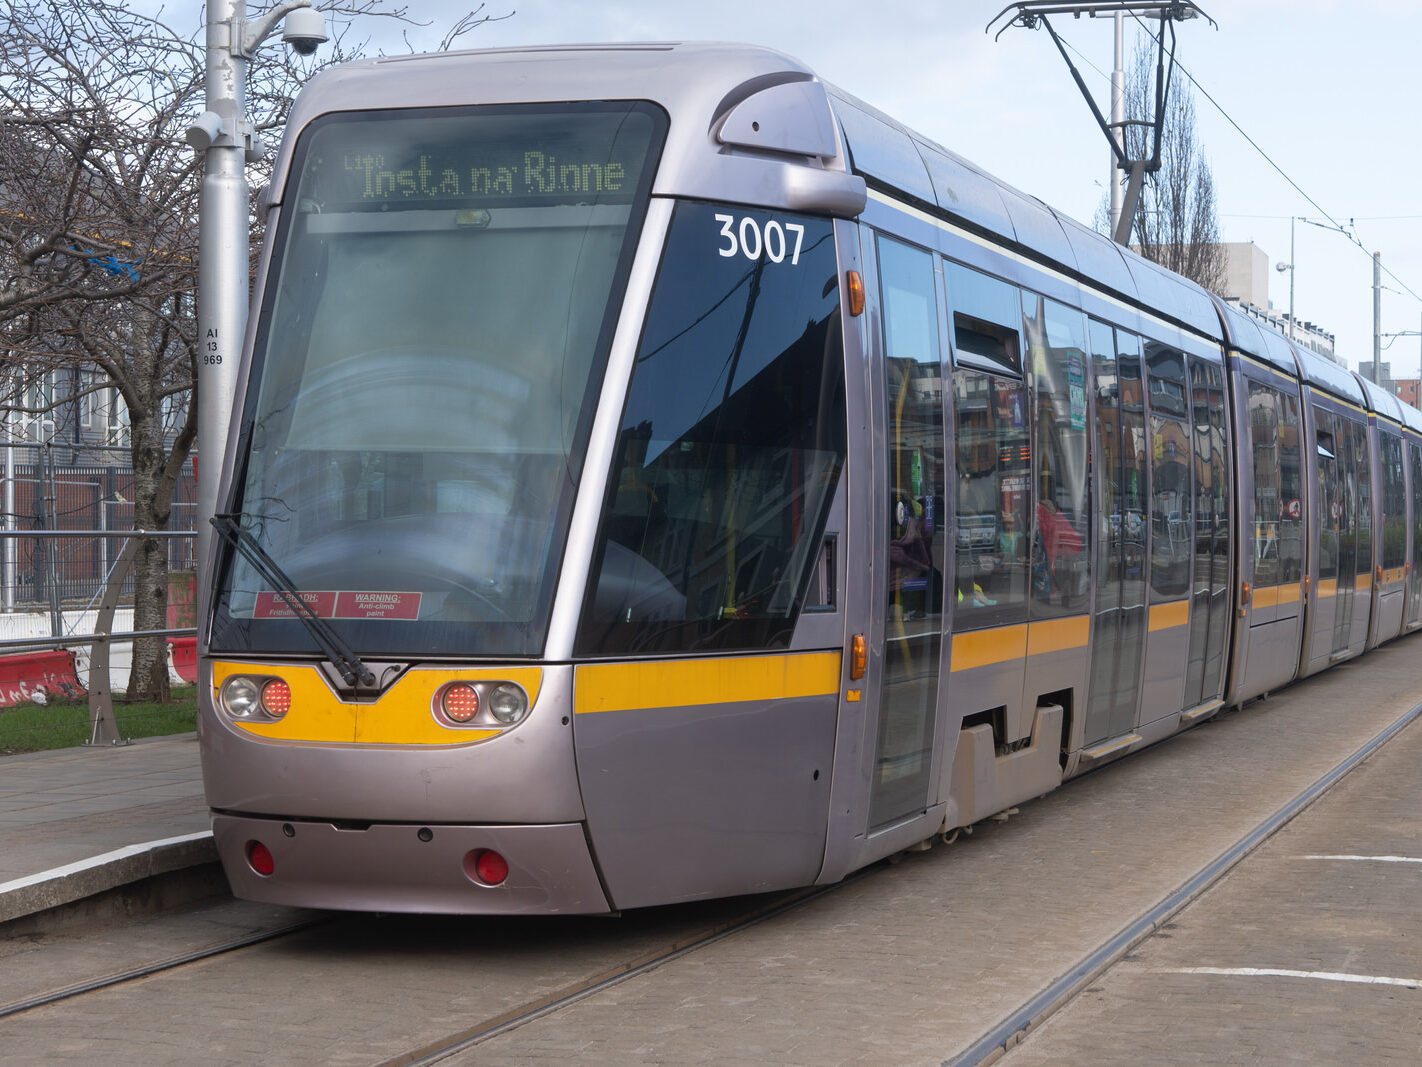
pixel 1118 627
pixel 1414 578
pixel 912 469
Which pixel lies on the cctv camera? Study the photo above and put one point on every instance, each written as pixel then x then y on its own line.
pixel 304 29
pixel 204 131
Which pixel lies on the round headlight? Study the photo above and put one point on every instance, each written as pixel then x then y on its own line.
pixel 240 696
pixel 508 704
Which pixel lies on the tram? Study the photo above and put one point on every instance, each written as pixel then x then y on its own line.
pixel 658 475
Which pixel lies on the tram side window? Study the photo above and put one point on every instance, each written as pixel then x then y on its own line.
pixel 1329 506
pixel 1394 486
pixel 731 444
pixel 914 396
pixel 1291 474
pixel 1264 440
pixel 992 450
pixel 1172 503
pixel 1365 498
pixel 1415 453
pixel 1056 340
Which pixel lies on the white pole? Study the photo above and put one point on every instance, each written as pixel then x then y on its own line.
pixel 1118 116
pixel 222 253
pixel 9 518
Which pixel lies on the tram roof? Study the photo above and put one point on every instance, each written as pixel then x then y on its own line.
pixel 1380 401
pixel 702 86
pixel 893 156
pixel 739 114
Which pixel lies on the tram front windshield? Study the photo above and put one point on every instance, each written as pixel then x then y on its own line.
pixel 427 359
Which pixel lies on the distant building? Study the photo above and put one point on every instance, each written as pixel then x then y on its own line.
pixel 1247 285
pixel 1409 390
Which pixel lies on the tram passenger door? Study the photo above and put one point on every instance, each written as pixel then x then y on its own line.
pixel 1118 626
pixel 1414 577
pixel 911 587
pixel 1327 518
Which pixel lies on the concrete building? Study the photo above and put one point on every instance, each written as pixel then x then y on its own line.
pixel 1247 277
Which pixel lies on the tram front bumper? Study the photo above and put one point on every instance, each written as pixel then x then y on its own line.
pixel 409 868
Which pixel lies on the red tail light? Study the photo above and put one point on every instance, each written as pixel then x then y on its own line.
pixel 461 702
pixel 276 698
pixel 259 858
pixel 486 867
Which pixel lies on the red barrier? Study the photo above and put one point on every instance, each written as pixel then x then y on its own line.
pixel 27 675
pixel 182 654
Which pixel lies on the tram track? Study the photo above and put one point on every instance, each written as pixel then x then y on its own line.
pixel 1019 1025
pixel 573 993
pixel 170 963
pixel 979 919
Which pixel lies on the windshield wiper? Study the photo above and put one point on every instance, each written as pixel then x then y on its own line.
pixel 341 655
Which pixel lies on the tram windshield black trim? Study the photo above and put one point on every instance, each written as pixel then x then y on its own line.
pixel 428 355
pixel 732 440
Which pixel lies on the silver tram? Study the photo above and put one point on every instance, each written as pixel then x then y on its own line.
pixel 657 475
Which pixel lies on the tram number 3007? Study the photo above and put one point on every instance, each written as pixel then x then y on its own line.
pixel 747 238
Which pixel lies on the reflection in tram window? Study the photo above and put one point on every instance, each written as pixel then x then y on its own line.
pixel 993 454
pixel 1056 339
pixel 1172 514
pixel 1365 499
pixel 1414 600
pixel 1394 488
pixel 1210 601
pixel 1277 530
pixel 731 444
pixel 913 394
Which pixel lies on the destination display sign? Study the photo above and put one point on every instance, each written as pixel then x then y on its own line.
pixel 365 162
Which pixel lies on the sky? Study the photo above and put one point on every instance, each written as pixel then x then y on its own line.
pixel 1329 90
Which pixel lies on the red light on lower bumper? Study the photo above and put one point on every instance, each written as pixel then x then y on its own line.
pixel 259 858
pixel 486 867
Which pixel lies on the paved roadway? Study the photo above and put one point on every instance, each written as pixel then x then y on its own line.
pixel 1308 952
pixel 912 963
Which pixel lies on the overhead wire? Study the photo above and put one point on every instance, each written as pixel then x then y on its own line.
pixel 1267 158
pixel 1282 173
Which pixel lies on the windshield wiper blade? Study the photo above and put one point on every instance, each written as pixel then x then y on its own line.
pixel 341 655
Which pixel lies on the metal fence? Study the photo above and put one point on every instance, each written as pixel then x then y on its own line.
pixel 49 573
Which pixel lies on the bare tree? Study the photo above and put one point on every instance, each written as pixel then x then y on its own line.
pixel 1177 224
pixel 99 230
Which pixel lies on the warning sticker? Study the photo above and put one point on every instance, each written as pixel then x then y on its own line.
pixel 341 604
pixel 378 605
pixel 277 605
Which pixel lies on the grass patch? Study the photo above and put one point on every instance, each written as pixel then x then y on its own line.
pixel 65 723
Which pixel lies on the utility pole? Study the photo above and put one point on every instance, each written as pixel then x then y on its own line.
pixel 1030 14
pixel 1290 267
pixel 1377 318
pixel 1118 121
pixel 228 141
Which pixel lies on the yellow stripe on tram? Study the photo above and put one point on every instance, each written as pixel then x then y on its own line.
pixel 685 683
pixel 1005 644
pixel 1168 616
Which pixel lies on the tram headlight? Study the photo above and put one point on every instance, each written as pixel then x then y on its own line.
pixel 508 703
pixel 255 698
pixel 241 697
pixel 481 704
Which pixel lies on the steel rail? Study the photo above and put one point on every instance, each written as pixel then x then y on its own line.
pixel 171 963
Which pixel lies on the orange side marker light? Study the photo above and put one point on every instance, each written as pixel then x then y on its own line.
pixel 854 285
pixel 858 657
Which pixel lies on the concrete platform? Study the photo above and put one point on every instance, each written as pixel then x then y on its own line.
pixel 75 822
